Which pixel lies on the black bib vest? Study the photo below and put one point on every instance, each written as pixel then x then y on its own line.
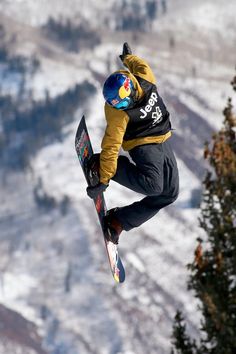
pixel 149 117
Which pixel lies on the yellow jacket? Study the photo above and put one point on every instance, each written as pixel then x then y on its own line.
pixel 117 121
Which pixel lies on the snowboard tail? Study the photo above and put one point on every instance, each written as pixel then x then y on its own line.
pixel 84 151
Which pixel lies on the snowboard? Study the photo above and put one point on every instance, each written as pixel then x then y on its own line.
pixel 84 151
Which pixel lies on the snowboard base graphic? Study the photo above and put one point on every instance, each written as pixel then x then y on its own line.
pixel 84 151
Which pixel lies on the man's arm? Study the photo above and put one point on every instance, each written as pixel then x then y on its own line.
pixel 116 126
pixel 139 67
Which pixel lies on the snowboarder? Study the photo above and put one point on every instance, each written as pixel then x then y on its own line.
pixel 138 120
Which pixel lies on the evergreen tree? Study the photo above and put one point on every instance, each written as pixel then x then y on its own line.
pixel 213 271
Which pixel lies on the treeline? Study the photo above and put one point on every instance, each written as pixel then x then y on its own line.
pixel 25 130
pixel 132 15
pixel 27 125
pixel 15 63
pixel 72 37
pixel 212 277
pixel 47 202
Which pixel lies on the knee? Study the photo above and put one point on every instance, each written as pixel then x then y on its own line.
pixel 174 195
pixel 173 190
pixel 153 187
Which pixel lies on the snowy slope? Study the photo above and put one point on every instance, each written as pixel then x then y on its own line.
pixel 53 265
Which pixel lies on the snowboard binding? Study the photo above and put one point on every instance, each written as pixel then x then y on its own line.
pixel 112 226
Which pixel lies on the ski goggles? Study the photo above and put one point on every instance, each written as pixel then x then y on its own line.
pixel 122 104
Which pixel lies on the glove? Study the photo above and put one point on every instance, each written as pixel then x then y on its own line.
pixel 126 50
pixel 93 192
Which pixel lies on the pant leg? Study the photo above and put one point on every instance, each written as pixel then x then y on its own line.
pixel 136 214
pixel 155 175
pixel 145 175
pixel 127 175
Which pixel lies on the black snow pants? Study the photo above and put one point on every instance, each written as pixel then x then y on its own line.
pixel 154 174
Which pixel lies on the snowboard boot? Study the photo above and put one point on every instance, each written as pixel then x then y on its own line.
pixel 113 227
pixel 92 170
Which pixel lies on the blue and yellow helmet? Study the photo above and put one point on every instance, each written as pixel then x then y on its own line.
pixel 118 91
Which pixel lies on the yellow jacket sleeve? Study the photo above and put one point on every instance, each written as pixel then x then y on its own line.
pixel 116 126
pixel 139 67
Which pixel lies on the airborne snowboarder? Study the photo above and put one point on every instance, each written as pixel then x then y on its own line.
pixel 138 121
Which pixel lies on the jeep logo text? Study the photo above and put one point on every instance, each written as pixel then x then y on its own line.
pixel 151 102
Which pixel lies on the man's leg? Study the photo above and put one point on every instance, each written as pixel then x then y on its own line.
pixel 137 213
pixel 154 175
pixel 146 175
pixel 129 176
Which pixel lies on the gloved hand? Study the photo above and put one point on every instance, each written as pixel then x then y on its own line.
pixel 126 50
pixel 93 192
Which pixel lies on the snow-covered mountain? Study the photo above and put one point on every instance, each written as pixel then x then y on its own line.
pixel 53 265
